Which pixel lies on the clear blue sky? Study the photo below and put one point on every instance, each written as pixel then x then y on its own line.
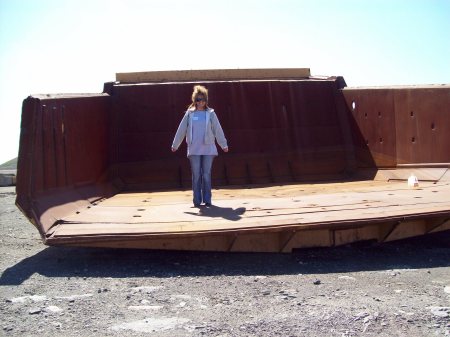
pixel 56 46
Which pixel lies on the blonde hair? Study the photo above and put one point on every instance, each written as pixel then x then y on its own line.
pixel 199 90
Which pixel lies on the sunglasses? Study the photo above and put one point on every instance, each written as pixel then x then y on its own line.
pixel 198 99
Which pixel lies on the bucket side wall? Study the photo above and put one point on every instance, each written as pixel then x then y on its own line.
pixel 395 126
pixel 63 155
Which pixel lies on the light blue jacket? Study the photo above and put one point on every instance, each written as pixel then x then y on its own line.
pixel 213 129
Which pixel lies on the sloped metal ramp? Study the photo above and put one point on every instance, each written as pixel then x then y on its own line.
pixel 266 218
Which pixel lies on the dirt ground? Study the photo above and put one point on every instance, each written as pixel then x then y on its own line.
pixel 396 289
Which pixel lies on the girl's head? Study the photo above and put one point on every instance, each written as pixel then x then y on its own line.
pixel 199 97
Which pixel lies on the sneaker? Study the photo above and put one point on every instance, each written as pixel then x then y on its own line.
pixel 208 204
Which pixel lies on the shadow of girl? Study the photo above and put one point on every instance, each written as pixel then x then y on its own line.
pixel 227 213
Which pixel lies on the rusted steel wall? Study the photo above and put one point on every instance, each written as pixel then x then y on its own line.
pixel 63 154
pixel 277 131
pixel 395 126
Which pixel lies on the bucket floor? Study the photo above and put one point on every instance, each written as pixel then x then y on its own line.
pixel 301 206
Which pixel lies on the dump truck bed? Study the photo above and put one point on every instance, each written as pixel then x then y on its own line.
pixel 311 163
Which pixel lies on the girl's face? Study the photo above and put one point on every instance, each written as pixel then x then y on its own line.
pixel 200 102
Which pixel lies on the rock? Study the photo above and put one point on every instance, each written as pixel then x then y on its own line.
pixel 38 298
pixel 447 289
pixel 152 324
pixel 53 309
pixel 317 282
pixel 361 315
pixel 57 325
pixel 147 289
pixel 145 307
pixel 34 311
pixel 18 299
pixel 23 299
pixel 182 297
pixel 440 311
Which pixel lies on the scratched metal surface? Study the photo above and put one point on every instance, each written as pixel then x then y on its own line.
pixel 236 209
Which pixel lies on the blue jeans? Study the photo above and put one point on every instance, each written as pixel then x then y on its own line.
pixel 201 178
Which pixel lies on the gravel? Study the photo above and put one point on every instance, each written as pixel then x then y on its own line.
pixel 396 289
